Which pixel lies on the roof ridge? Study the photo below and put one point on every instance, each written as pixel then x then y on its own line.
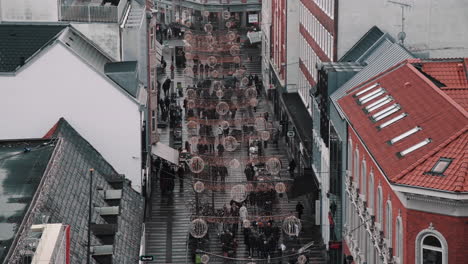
pixel 456 105
pixel 453 88
pixel 431 153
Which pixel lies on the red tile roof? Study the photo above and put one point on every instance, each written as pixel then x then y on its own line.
pixel 440 117
pixel 452 73
pixel 459 95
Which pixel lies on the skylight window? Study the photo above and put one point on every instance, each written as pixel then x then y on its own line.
pixel 393 120
pixel 386 112
pixel 404 135
pixel 379 103
pixel 415 147
pixel 372 95
pixel 441 165
pixel 367 89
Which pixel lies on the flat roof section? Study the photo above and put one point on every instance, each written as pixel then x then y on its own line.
pixel 22 165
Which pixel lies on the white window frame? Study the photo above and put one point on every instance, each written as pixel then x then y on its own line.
pixel 399 239
pixel 363 178
pixel 419 246
pixel 371 202
pixel 379 205
pixel 389 223
pixel 356 167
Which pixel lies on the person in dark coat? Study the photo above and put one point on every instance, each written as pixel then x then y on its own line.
pixel 292 167
pixel 299 209
pixel 220 149
pixel 181 174
pixel 166 86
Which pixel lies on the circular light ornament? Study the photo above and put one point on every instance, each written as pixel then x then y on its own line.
pixel 246 223
pixel 245 81
pixel 210 48
pixel 210 39
pixel 188 72
pixel 232 35
pixel 219 93
pixel 208 28
pixel 253 102
pixel 280 187
pixel 237 59
pixel 273 166
pixel 199 187
pixel 238 193
pixel 222 108
pixel 192 125
pixel 215 74
pixel 196 164
pixel 191 94
pixel 212 61
pixel 265 135
pixel 224 124
pixel 292 226
pixel 234 50
pixel 230 143
pixel 193 140
pixel 188 36
pixel 229 24
pixel 191 104
pixel 226 14
pixel 251 93
pixel 301 259
pixel 217 85
pixel 188 48
pixel 205 259
pixel 198 228
pixel 189 56
pixel 241 72
pixel 260 123
pixel 188 23
pixel 189 63
pixel 234 164
pixel 206 13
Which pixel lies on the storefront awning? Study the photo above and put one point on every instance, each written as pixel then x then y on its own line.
pixel 165 152
pixel 254 37
pixel 300 117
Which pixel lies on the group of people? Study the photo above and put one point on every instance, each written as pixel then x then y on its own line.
pixel 168 174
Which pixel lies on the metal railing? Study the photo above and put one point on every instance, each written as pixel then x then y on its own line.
pixel 225 2
pixel 92 13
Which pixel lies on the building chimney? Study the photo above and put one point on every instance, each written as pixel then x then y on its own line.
pixel 407 85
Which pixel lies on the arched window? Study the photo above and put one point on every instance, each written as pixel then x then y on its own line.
pixel 350 155
pixel 356 167
pixel 379 205
pixel 388 222
pixel 371 191
pixel 399 239
pixel 431 247
pixel 363 178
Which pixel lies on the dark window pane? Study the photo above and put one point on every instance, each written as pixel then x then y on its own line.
pixel 432 257
pixel 432 241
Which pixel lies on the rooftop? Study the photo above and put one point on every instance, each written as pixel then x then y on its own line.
pixel 19 42
pixel 362 45
pixel 22 164
pixel 118 213
pixel 407 122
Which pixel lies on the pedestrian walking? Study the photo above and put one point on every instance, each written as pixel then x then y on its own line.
pixel 292 167
pixel 220 149
pixel 181 174
pixel 299 209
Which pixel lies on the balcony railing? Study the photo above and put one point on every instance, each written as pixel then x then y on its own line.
pixel 225 2
pixel 92 12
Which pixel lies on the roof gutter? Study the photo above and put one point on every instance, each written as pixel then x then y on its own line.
pixel 460 196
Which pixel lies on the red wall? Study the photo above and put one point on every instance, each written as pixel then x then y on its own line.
pixel 278 34
pixel 454 229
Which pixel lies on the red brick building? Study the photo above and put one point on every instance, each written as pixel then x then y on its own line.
pixel 278 38
pixel 406 184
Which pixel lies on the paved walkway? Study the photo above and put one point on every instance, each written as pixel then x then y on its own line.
pixel 167 228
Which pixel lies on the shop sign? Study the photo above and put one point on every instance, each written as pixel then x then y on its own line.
pixel 253 18
pixel 290 133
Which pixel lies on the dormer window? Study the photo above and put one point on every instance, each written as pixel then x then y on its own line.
pixel 441 165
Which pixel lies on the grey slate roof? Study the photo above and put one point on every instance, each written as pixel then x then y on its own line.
pixel 124 74
pixel 382 56
pixel 19 42
pixel 66 198
pixel 362 45
pixel 20 175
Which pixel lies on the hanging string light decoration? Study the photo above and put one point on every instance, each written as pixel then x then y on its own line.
pixel 188 56
pixel 188 23
pixel 232 35
pixel 196 164
pixel 199 187
pixel 188 72
pixel 189 63
pixel 205 259
pixel 188 48
pixel 273 166
pixel 234 164
pixel 260 123
pixel 234 50
pixel 238 193
pixel 301 259
pixel 245 81
pixel 292 226
pixel 230 143
pixel 222 108
pixel 228 24
pixel 237 60
pixel 246 223
pixel 193 140
pixel 280 187
pixel 217 85
pixel 206 13
pixel 224 124
pixel 192 125
pixel 215 74
pixel 198 228
pixel 251 93
pixel 188 36
pixel 191 104
pixel 210 48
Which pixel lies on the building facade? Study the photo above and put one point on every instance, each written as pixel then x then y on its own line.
pixel 406 179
